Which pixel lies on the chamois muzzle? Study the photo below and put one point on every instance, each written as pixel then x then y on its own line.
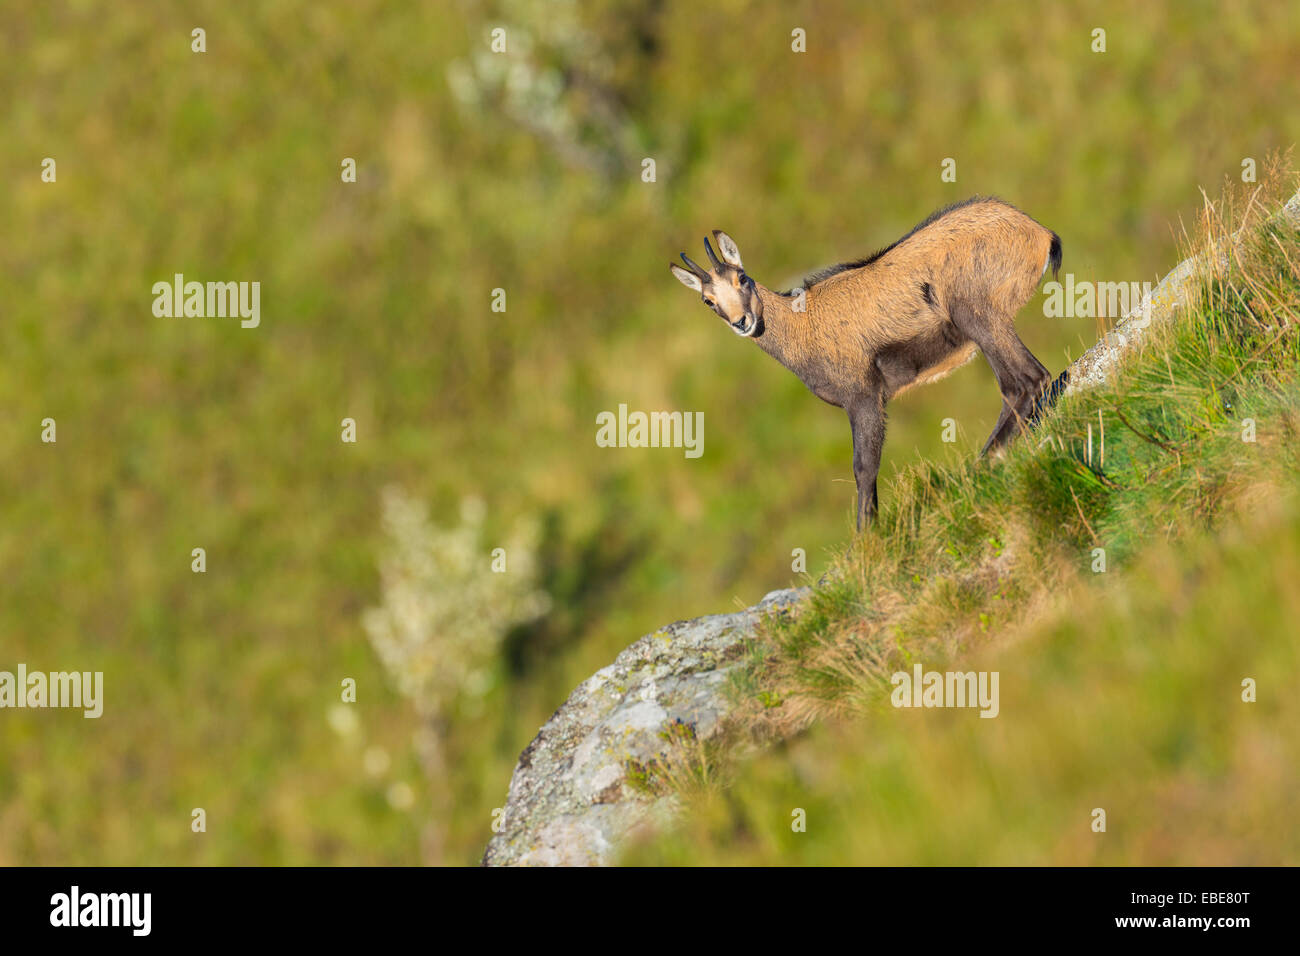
pixel 750 326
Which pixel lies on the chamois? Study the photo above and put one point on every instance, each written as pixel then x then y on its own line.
pixel 859 333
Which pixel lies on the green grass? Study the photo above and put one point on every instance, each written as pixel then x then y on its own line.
pixel 1120 690
pixel 181 433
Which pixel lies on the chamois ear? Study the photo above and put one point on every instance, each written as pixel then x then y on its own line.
pixel 730 251
pixel 688 279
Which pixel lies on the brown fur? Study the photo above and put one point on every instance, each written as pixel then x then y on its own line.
pixel 907 316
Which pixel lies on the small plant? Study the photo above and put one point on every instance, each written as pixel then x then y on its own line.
pixel 679 731
pixel 684 764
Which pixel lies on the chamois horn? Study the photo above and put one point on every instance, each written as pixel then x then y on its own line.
pixel 696 267
pixel 712 258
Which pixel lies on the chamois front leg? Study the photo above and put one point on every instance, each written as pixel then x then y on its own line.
pixel 867 419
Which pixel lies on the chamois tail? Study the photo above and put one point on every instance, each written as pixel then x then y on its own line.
pixel 1054 256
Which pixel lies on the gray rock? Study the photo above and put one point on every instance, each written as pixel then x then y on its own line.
pixel 570 802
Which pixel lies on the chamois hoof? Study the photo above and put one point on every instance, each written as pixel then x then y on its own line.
pixel 1051 395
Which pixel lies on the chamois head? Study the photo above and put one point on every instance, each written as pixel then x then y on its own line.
pixel 725 288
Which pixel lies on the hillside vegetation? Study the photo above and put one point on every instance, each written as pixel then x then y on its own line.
pixel 1123 684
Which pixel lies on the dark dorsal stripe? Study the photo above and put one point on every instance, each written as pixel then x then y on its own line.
pixel 824 274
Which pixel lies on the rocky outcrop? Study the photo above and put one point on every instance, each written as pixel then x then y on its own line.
pixel 571 801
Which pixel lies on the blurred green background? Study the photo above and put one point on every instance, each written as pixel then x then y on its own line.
pixel 478 171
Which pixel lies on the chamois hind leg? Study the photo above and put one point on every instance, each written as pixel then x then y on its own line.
pixel 1021 377
pixel 1023 412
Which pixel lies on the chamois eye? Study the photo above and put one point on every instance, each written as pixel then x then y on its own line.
pixel 708 302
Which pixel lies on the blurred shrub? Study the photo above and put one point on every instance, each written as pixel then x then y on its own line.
pixel 448 601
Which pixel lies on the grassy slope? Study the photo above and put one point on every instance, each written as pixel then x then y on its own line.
pixel 1119 690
